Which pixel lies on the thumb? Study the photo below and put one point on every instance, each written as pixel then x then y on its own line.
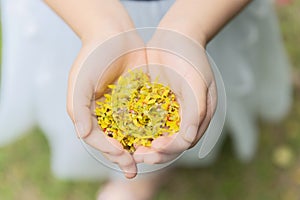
pixel 83 122
pixel 79 95
pixel 79 108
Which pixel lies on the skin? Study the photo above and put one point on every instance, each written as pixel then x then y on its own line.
pixel 201 19
pixel 95 21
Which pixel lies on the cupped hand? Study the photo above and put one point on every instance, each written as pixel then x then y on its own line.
pixel 99 64
pixel 183 65
pixel 191 79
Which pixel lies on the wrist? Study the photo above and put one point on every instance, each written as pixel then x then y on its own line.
pixel 102 31
pixel 105 27
pixel 191 30
pixel 93 20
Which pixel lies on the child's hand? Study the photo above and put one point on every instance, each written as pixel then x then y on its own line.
pixel 88 82
pixel 190 77
pixel 96 21
pixel 199 20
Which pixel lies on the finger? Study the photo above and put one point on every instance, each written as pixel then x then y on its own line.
pixel 138 155
pixel 79 97
pixel 103 143
pixel 194 99
pixel 159 158
pixel 81 112
pixel 73 74
pixel 112 150
pixel 213 96
pixel 211 107
pixel 150 156
pixel 194 111
pixel 201 130
pixel 126 163
pixel 173 144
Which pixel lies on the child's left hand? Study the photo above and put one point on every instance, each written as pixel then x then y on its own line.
pixel 196 92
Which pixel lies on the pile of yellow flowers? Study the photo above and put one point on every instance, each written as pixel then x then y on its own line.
pixel 138 111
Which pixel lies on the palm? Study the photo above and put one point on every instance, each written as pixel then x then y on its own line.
pixel 102 67
pixel 194 86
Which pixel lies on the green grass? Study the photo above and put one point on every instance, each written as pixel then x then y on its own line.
pixel 25 172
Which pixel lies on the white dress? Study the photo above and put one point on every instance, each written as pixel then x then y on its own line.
pixel 39 48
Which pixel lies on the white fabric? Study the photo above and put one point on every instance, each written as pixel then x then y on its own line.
pixel 38 50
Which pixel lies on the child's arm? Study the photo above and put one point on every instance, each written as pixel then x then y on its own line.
pixel 95 21
pixel 94 18
pixel 201 19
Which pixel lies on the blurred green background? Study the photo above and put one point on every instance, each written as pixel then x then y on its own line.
pixel 274 174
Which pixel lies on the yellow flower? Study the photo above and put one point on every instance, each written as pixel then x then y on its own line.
pixel 138 111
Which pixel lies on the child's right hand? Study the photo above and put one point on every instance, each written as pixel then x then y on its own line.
pixel 95 21
pixel 88 81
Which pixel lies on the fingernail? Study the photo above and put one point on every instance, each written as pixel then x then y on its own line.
pixel 130 175
pixel 191 133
